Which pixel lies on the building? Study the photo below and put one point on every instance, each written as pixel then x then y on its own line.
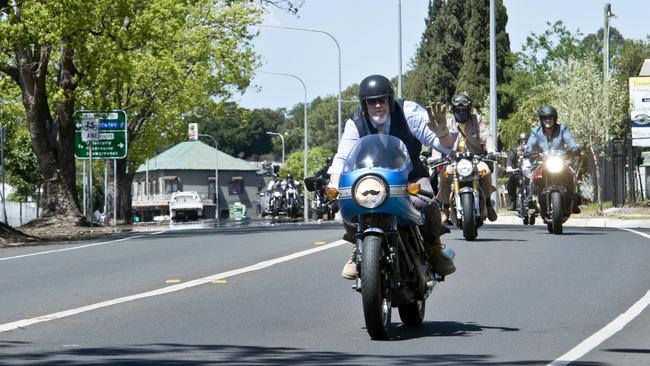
pixel 190 166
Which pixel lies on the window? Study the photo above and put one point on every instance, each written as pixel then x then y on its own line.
pixel 211 189
pixel 236 186
pixel 170 184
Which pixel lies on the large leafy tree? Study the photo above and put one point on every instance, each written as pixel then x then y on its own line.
pixel 154 58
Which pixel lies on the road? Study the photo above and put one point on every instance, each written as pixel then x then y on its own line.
pixel 521 296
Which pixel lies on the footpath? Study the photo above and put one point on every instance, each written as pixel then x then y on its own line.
pixel 625 217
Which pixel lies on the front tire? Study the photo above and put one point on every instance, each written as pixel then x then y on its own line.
pixel 469 220
pixel 374 291
pixel 556 212
pixel 412 315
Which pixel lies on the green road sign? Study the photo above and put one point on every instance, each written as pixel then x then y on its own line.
pixel 110 143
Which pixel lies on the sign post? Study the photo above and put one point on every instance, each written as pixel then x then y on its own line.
pixel 101 135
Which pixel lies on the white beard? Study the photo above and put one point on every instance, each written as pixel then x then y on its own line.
pixel 549 125
pixel 379 119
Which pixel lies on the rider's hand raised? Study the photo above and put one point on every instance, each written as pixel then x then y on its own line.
pixel 438 119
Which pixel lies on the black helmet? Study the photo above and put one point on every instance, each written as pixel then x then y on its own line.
pixel 289 176
pixel 522 137
pixel 461 100
pixel 547 111
pixel 375 86
pixel 329 160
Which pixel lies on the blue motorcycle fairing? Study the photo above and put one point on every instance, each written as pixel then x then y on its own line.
pixel 386 157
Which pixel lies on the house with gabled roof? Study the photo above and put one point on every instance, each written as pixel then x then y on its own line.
pixel 191 166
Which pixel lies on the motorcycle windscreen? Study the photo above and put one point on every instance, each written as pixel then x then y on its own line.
pixel 378 151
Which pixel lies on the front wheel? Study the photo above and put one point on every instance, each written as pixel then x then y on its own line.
pixel 412 314
pixel 469 220
pixel 556 212
pixel 374 288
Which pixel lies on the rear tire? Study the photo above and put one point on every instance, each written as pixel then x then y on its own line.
pixel 412 315
pixel 469 220
pixel 556 209
pixel 374 292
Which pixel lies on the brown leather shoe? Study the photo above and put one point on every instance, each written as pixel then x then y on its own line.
pixel 349 271
pixel 441 263
pixel 491 213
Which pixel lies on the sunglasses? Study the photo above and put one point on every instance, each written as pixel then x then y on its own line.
pixel 375 101
pixel 460 102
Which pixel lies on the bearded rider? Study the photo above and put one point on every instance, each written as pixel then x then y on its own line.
pixel 379 113
pixel 470 135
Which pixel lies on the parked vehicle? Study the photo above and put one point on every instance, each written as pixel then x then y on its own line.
pixel 553 189
pixel 184 206
pixel 467 200
pixel 393 264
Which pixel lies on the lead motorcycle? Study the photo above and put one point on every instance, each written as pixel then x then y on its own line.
pixel 553 188
pixel 393 264
pixel 467 200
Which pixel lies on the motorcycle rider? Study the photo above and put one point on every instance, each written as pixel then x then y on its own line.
pixel 511 165
pixel 470 135
pixel 379 113
pixel 550 135
pixel 322 172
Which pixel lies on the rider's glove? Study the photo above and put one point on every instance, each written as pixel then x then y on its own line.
pixel 438 119
pixel 509 169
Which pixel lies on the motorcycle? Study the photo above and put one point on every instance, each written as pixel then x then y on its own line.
pixel 524 173
pixel 321 206
pixel 467 200
pixel 291 201
pixel 393 266
pixel 553 189
pixel 276 200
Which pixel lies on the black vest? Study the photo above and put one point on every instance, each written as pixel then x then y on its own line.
pixel 398 128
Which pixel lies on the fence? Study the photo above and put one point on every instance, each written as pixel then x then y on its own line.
pixel 18 214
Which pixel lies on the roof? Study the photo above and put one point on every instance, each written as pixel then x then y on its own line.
pixel 195 155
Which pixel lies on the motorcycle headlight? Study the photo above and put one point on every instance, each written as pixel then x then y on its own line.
pixel 370 191
pixel 464 167
pixel 554 164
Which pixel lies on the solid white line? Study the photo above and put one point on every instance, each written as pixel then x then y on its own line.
pixel 74 248
pixel 609 330
pixel 165 290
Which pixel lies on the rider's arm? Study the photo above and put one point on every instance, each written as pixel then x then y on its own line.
pixel 568 139
pixel 532 142
pixel 348 139
pixel 512 155
pixel 486 135
pixel 417 120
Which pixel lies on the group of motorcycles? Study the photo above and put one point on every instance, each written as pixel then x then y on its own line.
pixel 392 258
pixel 546 188
pixel 283 200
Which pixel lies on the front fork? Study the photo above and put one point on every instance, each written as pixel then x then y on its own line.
pixel 390 243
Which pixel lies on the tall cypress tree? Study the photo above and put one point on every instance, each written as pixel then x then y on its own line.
pixel 474 76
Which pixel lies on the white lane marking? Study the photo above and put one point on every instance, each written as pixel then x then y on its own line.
pixel 165 290
pixel 77 247
pixel 609 330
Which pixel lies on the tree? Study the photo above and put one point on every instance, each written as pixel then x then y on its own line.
pixel 155 59
pixel 594 108
pixel 295 162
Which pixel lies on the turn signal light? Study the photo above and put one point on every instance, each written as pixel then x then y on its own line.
pixel 331 193
pixel 483 173
pixel 413 188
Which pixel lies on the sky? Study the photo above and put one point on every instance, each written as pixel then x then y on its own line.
pixel 367 34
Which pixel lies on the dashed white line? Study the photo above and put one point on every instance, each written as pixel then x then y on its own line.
pixel 165 290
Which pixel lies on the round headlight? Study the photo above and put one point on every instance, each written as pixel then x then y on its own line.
pixel 554 164
pixel 464 167
pixel 370 191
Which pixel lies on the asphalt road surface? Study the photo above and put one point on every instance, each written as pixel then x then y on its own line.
pixel 273 296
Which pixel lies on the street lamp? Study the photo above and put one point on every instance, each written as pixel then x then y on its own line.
pixel 305 152
pixel 281 138
pixel 339 53
pixel 216 176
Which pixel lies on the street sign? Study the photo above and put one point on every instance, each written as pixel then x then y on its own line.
pixel 640 111
pixel 108 139
pixel 193 131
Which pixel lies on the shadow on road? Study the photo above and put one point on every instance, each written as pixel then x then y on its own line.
pixel 443 329
pixel 173 354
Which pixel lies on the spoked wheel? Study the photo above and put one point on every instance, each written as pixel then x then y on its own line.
pixel 469 220
pixel 556 209
pixel 374 288
pixel 412 315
